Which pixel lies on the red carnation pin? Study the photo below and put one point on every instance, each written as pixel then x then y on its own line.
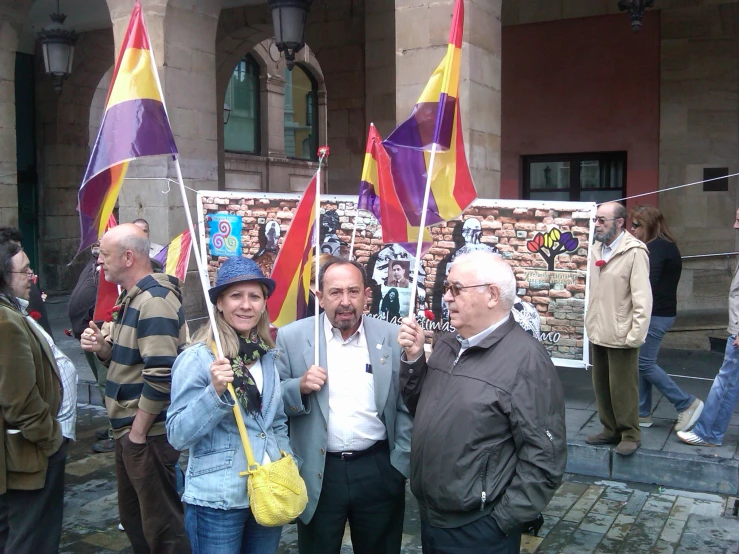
pixel 429 315
pixel 35 315
pixel 600 263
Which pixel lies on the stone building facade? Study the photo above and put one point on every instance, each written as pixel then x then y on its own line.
pixel 665 102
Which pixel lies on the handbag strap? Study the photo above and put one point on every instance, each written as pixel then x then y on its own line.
pixel 251 464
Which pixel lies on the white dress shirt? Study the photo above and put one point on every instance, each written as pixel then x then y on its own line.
pixel 353 422
pixel 67 415
pixel 608 249
pixel 257 373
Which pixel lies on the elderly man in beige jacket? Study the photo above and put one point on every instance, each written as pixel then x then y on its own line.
pixel 617 321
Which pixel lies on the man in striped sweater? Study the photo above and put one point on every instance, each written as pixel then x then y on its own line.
pixel 146 335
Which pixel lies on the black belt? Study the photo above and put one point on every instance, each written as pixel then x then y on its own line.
pixel 356 454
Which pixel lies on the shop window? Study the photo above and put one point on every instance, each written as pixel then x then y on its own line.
pixel 241 133
pixel 301 114
pixel 586 177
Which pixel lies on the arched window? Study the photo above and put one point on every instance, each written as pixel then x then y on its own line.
pixel 301 114
pixel 241 133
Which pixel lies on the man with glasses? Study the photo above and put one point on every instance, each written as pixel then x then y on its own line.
pixel 348 422
pixel 488 448
pixel 617 321
pixel 37 299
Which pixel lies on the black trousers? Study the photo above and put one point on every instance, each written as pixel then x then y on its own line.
pixel 482 536
pixel 150 508
pixel 368 492
pixel 31 521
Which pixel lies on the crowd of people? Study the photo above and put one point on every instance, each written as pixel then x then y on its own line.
pixel 477 426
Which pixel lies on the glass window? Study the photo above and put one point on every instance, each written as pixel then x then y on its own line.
pixel 601 177
pixel 241 133
pixel 301 114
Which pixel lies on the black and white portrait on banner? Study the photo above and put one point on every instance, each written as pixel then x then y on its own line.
pixel 391 280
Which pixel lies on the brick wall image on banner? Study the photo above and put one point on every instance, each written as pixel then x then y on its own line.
pixel 546 243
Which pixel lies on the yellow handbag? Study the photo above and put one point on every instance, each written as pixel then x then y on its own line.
pixel 277 493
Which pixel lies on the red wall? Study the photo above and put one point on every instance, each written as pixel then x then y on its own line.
pixel 582 85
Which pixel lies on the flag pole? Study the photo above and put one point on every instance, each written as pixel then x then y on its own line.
pixel 354 233
pixel 202 271
pixel 316 255
pixel 422 230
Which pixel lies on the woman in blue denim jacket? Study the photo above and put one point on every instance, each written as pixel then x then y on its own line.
pixel 200 418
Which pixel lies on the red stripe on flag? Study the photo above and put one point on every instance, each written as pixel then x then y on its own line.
pixel 394 221
pixel 464 192
pixel 135 37
pixel 455 33
pixel 183 256
pixel 290 259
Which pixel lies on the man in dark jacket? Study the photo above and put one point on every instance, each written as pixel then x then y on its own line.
pixel 36 300
pixel 488 448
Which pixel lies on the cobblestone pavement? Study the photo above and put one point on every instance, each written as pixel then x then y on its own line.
pixel 584 516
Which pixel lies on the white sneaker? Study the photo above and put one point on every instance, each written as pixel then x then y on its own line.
pixel 687 418
pixel 646 421
pixel 688 437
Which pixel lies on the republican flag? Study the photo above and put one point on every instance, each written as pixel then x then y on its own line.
pixel 435 120
pixel 135 124
pixel 378 195
pixel 175 257
pixel 291 271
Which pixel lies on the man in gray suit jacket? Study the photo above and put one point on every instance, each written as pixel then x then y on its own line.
pixel 347 419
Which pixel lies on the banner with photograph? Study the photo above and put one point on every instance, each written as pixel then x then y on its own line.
pixel 546 243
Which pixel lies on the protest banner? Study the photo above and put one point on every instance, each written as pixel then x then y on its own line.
pixel 546 243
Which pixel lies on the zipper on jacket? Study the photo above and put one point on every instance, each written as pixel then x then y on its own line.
pixel 483 499
pixel 551 438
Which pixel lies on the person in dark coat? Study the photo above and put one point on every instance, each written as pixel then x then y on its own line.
pixel 36 299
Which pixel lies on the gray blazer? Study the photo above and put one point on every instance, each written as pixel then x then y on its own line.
pixel 308 415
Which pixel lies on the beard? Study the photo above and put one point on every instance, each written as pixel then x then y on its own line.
pixel 344 324
pixel 606 235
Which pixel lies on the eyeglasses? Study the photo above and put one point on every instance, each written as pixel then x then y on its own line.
pixel 600 219
pixel 635 225
pixel 456 288
pixel 27 272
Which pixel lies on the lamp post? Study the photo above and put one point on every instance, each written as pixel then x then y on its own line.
pixel 288 19
pixel 636 10
pixel 226 113
pixel 57 43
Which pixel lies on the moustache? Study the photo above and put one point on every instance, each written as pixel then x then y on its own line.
pixel 350 310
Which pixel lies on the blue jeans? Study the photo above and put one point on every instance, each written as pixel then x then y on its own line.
pixel 651 374
pixel 722 399
pixel 213 531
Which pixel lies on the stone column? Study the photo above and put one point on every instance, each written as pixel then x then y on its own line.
pixel 12 17
pixel 183 36
pixel 421 44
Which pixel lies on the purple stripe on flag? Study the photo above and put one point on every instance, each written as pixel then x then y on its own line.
pixel 408 167
pixel 368 200
pixel 131 129
pixel 445 121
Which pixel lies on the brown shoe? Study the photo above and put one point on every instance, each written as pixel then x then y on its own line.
pixel 100 447
pixel 627 448
pixel 600 438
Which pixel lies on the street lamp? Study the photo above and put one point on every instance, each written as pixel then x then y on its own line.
pixel 288 19
pixel 57 43
pixel 636 10
pixel 226 113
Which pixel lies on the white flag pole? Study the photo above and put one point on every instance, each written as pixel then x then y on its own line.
pixel 421 231
pixel 316 256
pixel 354 234
pixel 202 271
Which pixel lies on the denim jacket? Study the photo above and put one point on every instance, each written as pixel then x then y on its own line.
pixel 202 421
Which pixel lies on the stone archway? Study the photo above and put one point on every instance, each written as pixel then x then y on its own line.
pixel 63 130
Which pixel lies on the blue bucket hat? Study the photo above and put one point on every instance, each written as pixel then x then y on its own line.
pixel 239 270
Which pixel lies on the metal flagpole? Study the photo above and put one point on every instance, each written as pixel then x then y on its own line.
pixel 316 264
pixel 422 229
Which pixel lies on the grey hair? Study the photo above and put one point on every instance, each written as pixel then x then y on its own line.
pixel 136 244
pixel 619 211
pixel 493 269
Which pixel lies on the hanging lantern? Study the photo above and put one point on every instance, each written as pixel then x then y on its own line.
pixel 636 10
pixel 288 19
pixel 57 44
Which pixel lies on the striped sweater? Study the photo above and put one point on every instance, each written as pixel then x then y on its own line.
pixel 147 334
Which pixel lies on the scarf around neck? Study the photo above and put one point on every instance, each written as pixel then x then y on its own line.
pixel 247 393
